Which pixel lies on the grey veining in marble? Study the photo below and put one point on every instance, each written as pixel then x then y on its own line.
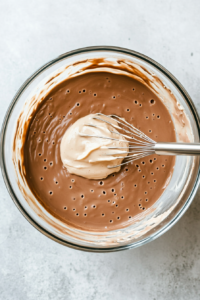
pixel 31 265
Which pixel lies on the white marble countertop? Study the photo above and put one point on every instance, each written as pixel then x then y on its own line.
pixel 33 266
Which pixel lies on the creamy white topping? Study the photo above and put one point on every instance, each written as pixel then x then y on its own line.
pixel 87 156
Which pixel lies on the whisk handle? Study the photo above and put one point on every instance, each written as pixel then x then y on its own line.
pixel 177 149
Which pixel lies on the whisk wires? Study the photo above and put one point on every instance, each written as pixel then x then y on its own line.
pixel 140 145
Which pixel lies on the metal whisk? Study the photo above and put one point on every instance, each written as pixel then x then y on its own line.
pixel 140 145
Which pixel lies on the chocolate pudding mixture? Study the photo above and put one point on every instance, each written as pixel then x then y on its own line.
pixel 97 204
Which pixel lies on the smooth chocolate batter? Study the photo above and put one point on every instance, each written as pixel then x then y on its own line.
pixel 104 204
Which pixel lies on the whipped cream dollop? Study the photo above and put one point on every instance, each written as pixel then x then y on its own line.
pixel 87 156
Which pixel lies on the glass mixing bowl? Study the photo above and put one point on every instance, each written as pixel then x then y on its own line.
pixel 147 226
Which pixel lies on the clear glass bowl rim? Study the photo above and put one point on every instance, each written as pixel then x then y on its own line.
pixel 3 131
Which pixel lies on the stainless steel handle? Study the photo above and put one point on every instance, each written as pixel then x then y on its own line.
pixel 177 149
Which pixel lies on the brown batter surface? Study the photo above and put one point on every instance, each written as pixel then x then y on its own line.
pixel 97 204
